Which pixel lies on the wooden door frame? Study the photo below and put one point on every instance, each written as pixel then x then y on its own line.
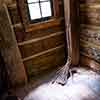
pixel 71 11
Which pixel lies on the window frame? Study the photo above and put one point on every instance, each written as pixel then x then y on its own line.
pixel 24 13
pixel 42 18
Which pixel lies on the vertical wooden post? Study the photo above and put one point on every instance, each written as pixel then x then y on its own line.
pixel 56 8
pixel 9 49
pixel 72 29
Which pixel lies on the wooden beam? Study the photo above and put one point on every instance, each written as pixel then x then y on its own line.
pixel 71 8
pixel 42 53
pixel 56 8
pixel 43 25
pixel 86 61
pixel 10 51
pixel 39 39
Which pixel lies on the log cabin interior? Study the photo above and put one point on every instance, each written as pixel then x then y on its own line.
pixel 49 49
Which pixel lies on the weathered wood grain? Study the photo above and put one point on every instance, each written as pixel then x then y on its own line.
pixel 90 36
pixel 9 49
pixel 91 50
pixel 15 17
pixel 41 45
pixel 86 60
pixel 89 1
pixel 44 62
pixel 72 29
pixel 25 36
pixel 90 31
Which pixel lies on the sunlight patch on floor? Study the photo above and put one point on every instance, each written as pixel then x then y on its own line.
pixel 82 86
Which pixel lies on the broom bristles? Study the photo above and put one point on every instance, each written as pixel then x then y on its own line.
pixel 62 74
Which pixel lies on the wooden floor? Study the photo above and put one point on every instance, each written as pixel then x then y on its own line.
pixel 85 85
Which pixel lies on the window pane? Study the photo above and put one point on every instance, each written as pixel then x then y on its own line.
pixel 30 1
pixel 34 11
pixel 46 9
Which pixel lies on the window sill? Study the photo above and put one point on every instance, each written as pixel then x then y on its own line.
pixel 46 24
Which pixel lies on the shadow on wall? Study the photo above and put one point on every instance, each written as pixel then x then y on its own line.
pixel 3 77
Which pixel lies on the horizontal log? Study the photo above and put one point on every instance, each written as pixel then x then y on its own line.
pixel 39 38
pixel 41 53
pixel 89 20
pixel 46 24
pixel 41 63
pixel 91 50
pixel 41 44
pixel 88 44
pixel 89 1
pixel 90 40
pixel 89 9
pixel 93 6
pixel 90 36
pixel 87 61
pixel 95 13
pixel 21 35
pixel 90 27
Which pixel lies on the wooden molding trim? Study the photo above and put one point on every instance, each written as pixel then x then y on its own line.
pixel 86 61
pixel 42 53
pixel 40 38
pixel 43 25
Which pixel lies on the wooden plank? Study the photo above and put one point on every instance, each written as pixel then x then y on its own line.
pixel 91 27
pixel 9 49
pixel 23 36
pixel 39 39
pixel 44 25
pixel 89 44
pixel 39 64
pixel 89 35
pixel 42 53
pixel 89 1
pixel 90 20
pixel 86 61
pixel 85 43
pixel 93 6
pixel 91 53
pixel 41 45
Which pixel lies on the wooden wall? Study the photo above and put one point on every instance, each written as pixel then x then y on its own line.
pixel 90 29
pixel 41 49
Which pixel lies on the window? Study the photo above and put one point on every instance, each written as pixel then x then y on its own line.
pixel 39 10
pixel 33 11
